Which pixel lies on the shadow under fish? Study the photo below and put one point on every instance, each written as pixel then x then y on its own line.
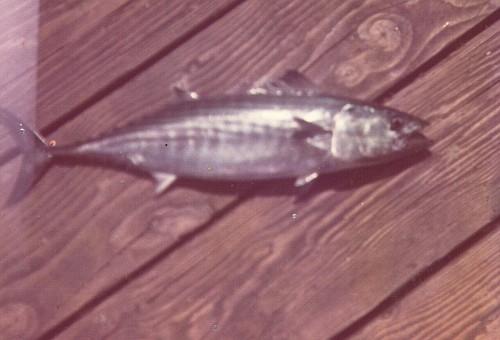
pixel 286 128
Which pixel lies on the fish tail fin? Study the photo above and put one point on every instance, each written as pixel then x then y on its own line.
pixel 36 154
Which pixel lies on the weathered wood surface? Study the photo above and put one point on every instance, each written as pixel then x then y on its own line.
pixel 84 229
pixel 19 30
pixel 260 272
pixel 86 49
pixel 459 302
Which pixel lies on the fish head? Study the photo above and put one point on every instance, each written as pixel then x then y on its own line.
pixel 363 133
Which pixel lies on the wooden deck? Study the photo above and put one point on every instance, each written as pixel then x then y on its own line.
pixel 407 251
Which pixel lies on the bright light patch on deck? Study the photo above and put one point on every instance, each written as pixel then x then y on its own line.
pixel 19 54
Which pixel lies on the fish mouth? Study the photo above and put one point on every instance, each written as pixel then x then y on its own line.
pixel 417 141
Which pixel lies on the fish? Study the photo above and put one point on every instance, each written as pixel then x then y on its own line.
pixel 286 128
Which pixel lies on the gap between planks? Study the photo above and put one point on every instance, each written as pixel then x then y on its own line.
pixel 120 284
pixel 120 81
pixel 398 294
pixel 418 279
pixel 438 57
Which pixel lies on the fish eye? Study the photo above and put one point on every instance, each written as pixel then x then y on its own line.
pixel 396 124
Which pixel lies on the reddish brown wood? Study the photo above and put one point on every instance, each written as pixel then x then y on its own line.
pixel 261 272
pixel 87 47
pixel 84 229
pixel 460 302
pixel 84 48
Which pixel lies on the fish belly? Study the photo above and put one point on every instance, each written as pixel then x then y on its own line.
pixel 249 157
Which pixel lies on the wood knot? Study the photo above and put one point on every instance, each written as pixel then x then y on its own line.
pixel 386 31
pixel 17 320
pixel 162 222
pixel 178 219
pixel 350 73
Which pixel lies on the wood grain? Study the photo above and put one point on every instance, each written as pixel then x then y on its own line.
pixel 19 31
pixel 84 229
pixel 460 302
pixel 86 46
pixel 262 271
pixel 381 47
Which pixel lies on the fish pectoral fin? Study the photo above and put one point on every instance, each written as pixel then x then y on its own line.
pixel 303 180
pixel 291 83
pixel 308 129
pixel 183 94
pixel 163 181
pixel 321 142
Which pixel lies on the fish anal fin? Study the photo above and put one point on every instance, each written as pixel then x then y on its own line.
pixel 306 179
pixel 291 83
pixel 163 181
pixel 183 94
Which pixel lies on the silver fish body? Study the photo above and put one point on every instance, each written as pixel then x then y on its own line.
pixel 243 137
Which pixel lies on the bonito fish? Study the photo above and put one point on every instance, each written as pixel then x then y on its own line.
pixel 284 129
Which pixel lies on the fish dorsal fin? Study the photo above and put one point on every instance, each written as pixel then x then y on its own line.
pixel 183 94
pixel 163 181
pixel 291 83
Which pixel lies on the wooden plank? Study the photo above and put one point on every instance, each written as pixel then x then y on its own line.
pixel 276 268
pixel 86 46
pixel 18 39
pixel 18 56
pixel 460 302
pixel 82 230
pixel 83 51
